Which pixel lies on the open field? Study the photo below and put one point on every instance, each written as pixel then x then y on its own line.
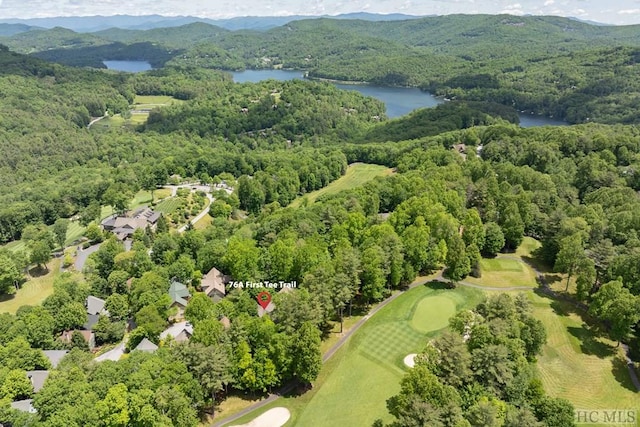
pixel 32 292
pixel 357 175
pixel 169 205
pixel 504 272
pixel 578 364
pixel 74 232
pixel 354 385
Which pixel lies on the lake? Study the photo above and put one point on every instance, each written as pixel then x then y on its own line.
pixel 128 66
pixel 399 100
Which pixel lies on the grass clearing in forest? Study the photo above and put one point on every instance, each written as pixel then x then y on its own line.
pixel 34 291
pixel 579 364
pixel 355 383
pixel 504 272
pixel 168 206
pixel 357 175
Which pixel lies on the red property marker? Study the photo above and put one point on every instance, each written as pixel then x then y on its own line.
pixel 264 298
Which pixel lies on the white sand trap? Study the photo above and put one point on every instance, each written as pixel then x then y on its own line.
pixel 410 360
pixel 275 417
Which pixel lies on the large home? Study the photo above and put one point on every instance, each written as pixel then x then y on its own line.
pixel 124 226
pixel 213 284
pixel 55 356
pixel 179 295
pixel 146 346
pixel 95 308
pixel 180 332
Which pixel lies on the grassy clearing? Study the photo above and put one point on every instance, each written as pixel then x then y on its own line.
pixel 354 385
pixel 357 175
pixel 580 365
pixel 152 101
pixel 74 232
pixel 168 206
pixel 504 272
pixel 32 292
pixel 203 222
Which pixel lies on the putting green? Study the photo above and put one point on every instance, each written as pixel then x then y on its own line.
pixel 433 313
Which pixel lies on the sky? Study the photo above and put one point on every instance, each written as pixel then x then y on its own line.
pixel 618 12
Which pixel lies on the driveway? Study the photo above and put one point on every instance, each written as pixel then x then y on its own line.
pixel 83 254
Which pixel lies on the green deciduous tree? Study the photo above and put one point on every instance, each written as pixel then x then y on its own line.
pixel 306 355
pixel 60 228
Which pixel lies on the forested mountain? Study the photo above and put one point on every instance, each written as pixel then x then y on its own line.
pixel 546 65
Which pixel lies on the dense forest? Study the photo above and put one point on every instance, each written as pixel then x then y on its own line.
pixel 467 183
pixel 576 71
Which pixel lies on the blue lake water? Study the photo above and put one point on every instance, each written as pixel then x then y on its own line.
pixel 399 100
pixel 128 66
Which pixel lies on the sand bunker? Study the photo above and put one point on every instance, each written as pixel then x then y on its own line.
pixel 275 417
pixel 410 360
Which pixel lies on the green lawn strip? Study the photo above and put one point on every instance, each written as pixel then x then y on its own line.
pixel 580 365
pixel 169 205
pixel 33 292
pixel 433 313
pixel 504 272
pixel 357 174
pixel 74 232
pixel 354 385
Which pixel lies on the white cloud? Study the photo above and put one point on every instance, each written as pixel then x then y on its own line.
pixel 629 12
pixel 549 2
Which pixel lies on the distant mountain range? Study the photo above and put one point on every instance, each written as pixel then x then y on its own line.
pixel 89 24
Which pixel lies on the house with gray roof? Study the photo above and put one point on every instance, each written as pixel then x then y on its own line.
pixel 24 406
pixel 147 346
pixel 180 332
pixel 55 356
pixel 95 305
pixel 179 295
pixel 124 226
pixel 37 379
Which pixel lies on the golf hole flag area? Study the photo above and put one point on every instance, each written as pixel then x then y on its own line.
pixel 368 369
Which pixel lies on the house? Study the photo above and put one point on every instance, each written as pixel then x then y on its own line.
pixel 95 308
pixel 179 295
pixel 213 284
pixel 147 346
pixel 55 356
pixel 88 336
pixel 24 406
pixel 37 379
pixel 124 226
pixel 95 305
pixel 180 332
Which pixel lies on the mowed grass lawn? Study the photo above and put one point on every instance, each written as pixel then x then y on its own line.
pixel 32 292
pixel 357 175
pixel 355 383
pixel 504 272
pixel 579 365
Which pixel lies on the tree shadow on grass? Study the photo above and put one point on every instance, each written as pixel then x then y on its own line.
pixel 6 297
pixel 38 272
pixel 439 285
pixel 589 342
pixel 620 371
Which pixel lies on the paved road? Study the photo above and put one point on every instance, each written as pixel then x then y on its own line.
pixel 199 216
pixel 83 254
